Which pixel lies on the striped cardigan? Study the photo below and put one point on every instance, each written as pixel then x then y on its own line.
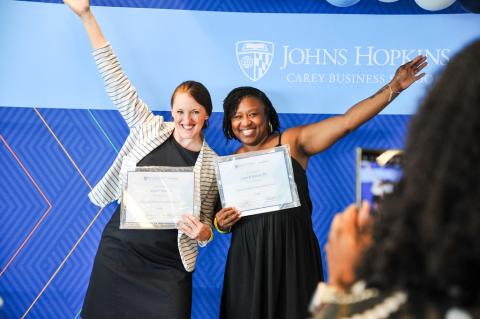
pixel 147 132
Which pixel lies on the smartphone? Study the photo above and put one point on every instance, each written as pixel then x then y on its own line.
pixel 377 173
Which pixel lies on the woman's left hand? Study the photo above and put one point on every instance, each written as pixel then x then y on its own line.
pixel 192 227
pixel 408 73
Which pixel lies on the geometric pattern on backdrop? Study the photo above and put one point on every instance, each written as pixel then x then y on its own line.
pixel 50 231
pixel 284 6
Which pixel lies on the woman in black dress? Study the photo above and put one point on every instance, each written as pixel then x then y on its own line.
pixel 274 264
pixel 147 273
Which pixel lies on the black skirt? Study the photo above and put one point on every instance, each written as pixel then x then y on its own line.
pixel 273 265
pixel 130 281
pixel 139 273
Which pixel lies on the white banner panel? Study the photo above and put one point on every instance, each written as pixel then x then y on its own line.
pixel 306 63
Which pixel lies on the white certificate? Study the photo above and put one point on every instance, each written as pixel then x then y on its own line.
pixel 157 197
pixel 257 182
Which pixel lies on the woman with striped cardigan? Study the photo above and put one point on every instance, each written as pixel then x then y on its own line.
pixel 147 273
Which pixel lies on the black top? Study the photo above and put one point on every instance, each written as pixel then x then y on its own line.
pixel 151 247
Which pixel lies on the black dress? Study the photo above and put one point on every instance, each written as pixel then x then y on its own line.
pixel 274 264
pixel 139 273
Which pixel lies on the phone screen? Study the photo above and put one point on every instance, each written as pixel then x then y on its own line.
pixel 378 172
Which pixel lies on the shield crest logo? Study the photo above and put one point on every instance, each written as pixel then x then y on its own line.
pixel 254 58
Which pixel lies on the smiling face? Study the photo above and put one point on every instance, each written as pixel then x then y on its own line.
pixel 189 117
pixel 249 122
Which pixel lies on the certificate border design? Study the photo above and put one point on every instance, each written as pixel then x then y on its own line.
pixel 285 149
pixel 134 225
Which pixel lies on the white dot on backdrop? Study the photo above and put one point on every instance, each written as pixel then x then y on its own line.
pixel 343 3
pixel 387 1
pixel 434 5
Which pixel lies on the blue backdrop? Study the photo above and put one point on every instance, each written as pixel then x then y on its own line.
pixel 59 132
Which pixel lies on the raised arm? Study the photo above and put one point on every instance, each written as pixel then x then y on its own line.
pixel 314 138
pixel 82 9
pixel 118 86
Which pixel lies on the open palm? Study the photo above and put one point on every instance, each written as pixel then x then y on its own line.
pixel 79 7
pixel 408 73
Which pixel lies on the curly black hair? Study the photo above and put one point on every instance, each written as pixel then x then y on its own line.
pixel 233 99
pixel 427 241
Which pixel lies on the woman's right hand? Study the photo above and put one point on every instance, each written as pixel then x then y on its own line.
pixel 79 7
pixel 227 217
pixel 82 9
pixel 350 235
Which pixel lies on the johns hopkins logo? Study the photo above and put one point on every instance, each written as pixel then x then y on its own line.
pixel 254 58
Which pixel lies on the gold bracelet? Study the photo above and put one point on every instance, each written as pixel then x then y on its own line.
pixel 211 235
pixel 215 223
pixel 391 93
pixel 204 243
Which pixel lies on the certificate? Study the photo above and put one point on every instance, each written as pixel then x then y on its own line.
pixel 156 197
pixel 257 182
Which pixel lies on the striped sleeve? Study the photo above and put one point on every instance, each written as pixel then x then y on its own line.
pixel 121 92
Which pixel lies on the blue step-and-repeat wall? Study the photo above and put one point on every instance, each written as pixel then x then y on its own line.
pixel 59 132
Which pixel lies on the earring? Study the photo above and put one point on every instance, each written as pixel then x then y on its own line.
pixel 270 127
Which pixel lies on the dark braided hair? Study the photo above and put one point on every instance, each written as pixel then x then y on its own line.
pixel 427 241
pixel 233 99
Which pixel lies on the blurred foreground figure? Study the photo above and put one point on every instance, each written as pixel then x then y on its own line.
pixel 420 258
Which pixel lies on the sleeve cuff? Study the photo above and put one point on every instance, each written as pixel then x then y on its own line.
pixel 106 47
pixel 205 242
